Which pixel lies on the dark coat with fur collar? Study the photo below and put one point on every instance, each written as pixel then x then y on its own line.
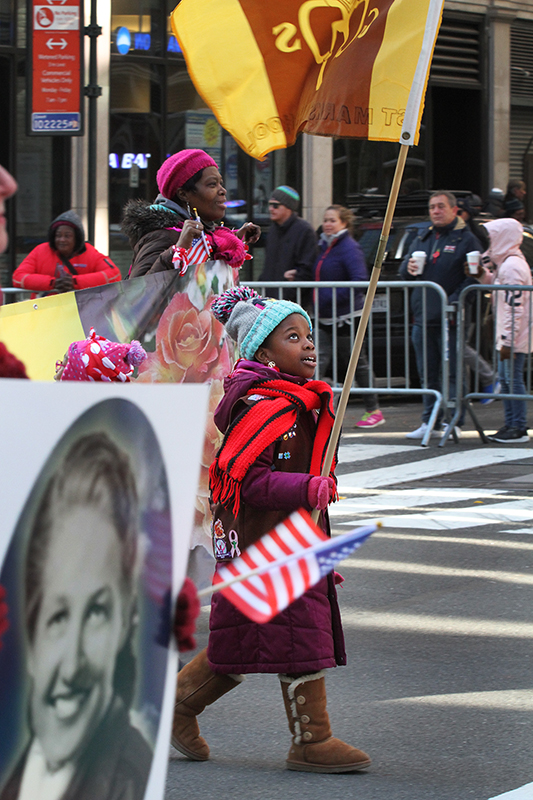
pixel 152 230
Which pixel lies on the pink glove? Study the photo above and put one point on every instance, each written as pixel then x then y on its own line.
pixel 320 491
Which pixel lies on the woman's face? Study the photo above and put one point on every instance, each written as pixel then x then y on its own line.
pixel 81 626
pixel 209 196
pixel 65 240
pixel 332 223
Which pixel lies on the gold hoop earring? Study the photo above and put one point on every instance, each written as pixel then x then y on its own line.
pixel 271 364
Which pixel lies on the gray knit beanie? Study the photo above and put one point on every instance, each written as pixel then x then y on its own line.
pixel 250 318
pixel 287 196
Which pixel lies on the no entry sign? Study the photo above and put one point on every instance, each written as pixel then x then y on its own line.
pixel 55 35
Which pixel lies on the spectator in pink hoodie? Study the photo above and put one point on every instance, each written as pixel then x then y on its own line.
pixel 513 316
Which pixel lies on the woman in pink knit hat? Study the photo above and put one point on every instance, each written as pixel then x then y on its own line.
pixel 183 222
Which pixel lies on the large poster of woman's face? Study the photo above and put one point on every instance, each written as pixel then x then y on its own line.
pixel 88 581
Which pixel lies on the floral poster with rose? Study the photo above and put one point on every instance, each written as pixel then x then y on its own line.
pixel 169 314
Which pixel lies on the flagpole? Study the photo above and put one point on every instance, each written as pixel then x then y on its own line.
pixel 365 315
pixel 366 531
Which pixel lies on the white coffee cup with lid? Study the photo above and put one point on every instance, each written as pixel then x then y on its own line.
pixel 420 257
pixel 474 259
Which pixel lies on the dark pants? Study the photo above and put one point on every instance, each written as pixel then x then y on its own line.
pixel 344 351
pixel 430 373
pixel 512 378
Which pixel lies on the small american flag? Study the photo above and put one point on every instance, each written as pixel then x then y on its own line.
pixel 283 564
pixel 199 251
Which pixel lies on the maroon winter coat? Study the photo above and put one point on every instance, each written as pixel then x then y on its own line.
pixel 307 636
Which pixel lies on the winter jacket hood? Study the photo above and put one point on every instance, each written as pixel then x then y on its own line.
pixel 505 239
pixel 141 218
pixel 71 219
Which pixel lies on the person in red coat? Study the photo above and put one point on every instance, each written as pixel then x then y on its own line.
pixel 66 262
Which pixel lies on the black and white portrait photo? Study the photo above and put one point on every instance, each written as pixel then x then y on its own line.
pixel 88 577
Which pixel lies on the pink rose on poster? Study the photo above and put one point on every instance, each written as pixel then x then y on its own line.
pixel 190 346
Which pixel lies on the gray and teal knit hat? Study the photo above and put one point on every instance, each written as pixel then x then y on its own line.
pixel 287 196
pixel 250 318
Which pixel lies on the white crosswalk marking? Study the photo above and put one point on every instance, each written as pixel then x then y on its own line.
pixel 427 468
pixel 523 793
pixel 436 509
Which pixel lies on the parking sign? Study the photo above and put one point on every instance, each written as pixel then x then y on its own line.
pixel 55 80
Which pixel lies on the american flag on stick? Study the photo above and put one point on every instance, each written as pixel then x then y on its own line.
pixel 199 251
pixel 282 565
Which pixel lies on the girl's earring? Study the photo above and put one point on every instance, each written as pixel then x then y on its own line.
pixel 271 364
pixel 189 210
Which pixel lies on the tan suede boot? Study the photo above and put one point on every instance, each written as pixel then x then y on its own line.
pixel 314 749
pixel 197 687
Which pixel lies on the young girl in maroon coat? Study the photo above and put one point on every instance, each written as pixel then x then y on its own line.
pixel 268 466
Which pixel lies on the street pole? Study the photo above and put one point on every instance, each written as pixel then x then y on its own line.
pixel 93 92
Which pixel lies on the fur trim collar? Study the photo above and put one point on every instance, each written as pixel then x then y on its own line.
pixel 141 217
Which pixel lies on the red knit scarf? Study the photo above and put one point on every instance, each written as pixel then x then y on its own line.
pixel 260 425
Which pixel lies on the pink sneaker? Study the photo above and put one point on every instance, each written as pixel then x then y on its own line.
pixel 371 419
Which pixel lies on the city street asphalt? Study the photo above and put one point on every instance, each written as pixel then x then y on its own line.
pixel 437 611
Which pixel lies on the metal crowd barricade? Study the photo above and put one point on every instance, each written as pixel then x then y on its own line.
pixel 17 294
pixel 476 331
pixel 388 330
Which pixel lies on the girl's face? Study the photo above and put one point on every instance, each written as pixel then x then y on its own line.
pixel 290 346
pixel 332 223
pixel 209 196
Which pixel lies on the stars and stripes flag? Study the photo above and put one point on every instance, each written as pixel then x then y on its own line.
pixel 199 251
pixel 348 68
pixel 283 564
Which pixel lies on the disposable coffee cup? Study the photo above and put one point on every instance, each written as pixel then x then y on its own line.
pixel 474 259
pixel 420 257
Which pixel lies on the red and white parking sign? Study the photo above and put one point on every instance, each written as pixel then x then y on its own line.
pixel 55 91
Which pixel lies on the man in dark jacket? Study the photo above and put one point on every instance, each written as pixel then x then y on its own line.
pixel 445 243
pixel 290 251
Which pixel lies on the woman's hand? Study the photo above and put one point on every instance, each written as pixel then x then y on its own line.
pixel 290 275
pixel 64 284
pixel 249 233
pixel 192 228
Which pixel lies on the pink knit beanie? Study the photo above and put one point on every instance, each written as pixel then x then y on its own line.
pixel 177 170
pixel 99 359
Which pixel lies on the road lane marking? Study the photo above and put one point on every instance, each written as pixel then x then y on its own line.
pixel 411 568
pixel 407 499
pixel 522 793
pixel 429 468
pixel 427 624
pixel 455 518
pixel 349 453
pixel 503 700
pixel 416 537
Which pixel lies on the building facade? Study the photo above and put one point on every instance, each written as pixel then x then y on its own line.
pixel 477 129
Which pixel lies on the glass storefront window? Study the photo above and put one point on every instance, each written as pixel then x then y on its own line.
pixel 138 33
pixel 173 48
pixel 360 166
pixel 7 22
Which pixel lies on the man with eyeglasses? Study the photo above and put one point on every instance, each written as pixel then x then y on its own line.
pixel 290 243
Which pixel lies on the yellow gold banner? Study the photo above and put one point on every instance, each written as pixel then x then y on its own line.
pixel 40 331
